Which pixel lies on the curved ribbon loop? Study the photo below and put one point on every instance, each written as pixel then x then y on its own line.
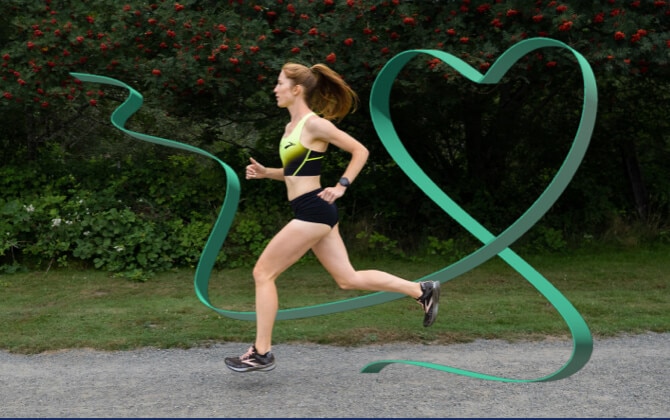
pixel 380 111
pixel 232 198
pixel 224 221
pixel 494 245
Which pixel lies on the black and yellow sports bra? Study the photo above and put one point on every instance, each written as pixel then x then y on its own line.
pixel 296 159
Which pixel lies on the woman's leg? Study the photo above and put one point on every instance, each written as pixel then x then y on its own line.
pixel 287 247
pixel 332 254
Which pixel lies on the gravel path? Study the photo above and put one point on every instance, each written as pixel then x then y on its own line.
pixel 627 376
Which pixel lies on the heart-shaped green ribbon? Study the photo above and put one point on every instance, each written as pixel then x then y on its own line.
pixel 379 103
pixel 494 245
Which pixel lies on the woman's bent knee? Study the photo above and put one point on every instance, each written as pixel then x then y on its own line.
pixel 346 286
pixel 348 283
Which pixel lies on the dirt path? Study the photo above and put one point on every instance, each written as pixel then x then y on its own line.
pixel 626 377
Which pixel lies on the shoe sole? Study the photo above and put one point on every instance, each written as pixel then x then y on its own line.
pixel 252 368
pixel 436 304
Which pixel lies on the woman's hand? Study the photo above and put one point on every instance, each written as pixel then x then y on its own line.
pixel 331 194
pixel 255 170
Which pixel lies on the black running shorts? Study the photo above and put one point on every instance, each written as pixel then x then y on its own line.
pixel 311 208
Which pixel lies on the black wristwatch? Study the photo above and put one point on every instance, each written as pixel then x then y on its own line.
pixel 344 182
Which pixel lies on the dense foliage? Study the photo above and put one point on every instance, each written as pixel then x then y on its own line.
pixel 207 69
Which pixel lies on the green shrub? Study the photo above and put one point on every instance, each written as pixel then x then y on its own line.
pixel 129 217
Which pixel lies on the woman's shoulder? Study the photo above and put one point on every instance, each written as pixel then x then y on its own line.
pixel 319 129
pixel 318 124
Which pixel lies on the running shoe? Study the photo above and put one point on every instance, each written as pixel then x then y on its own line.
pixel 429 300
pixel 251 360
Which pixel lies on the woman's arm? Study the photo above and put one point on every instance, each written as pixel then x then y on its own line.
pixel 324 130
pixel 257 171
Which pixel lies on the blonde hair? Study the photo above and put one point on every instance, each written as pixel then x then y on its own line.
pixel 325 91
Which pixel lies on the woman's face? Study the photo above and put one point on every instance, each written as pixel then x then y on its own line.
pixel 284 91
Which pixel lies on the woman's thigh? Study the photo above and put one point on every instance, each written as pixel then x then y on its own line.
pixel 332 254
pixel 288 246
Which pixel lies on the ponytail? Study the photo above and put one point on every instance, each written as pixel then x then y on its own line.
pixel 325 91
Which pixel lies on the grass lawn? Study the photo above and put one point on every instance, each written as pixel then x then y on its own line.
pixel 616 291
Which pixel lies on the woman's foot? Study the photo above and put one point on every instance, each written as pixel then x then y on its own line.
pixel 429 300
pixel 251 360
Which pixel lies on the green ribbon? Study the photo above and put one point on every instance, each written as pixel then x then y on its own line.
pixel 379 104
pixel 495 245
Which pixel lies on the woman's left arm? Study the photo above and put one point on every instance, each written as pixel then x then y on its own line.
pixel 324 130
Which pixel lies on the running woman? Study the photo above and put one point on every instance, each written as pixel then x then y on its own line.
pixel 314 97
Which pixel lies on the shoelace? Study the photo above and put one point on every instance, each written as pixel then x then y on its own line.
pixel 248 354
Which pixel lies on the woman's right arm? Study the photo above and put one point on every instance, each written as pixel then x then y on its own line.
pixel 257 171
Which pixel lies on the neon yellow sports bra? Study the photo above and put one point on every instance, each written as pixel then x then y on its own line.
pixel 296 159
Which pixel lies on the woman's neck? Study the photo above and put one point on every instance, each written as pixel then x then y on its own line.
pixel 298 110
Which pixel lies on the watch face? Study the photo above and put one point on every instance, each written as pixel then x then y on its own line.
pixel 344 182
